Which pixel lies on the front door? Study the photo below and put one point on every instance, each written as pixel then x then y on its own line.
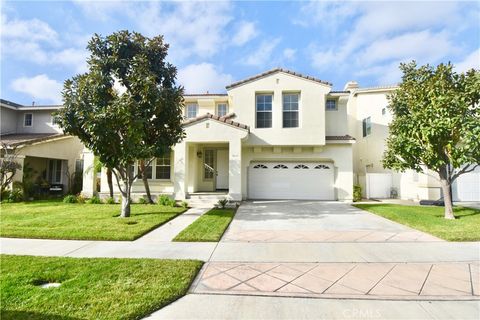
pixel 222 169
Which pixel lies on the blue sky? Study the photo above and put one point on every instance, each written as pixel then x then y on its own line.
pixel 215 43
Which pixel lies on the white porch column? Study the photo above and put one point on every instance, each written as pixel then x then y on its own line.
pixel 89 187
pixel 20 159
pixel 180 171
pixel 235 170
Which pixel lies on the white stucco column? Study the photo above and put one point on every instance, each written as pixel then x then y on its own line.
pixel 89 183
pixel 20 159
pixel 180 171
pixel 235 170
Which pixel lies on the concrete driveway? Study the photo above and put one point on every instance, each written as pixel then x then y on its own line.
pixel 315 221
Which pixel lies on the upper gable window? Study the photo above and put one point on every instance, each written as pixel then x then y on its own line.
pixel 367 126
pixel 222 109
pixel 264 110
pixel 290 110
pixel 28 120
pixel 191 110
pixel 331 105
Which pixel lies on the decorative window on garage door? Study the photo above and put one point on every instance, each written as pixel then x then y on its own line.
pixel 260 166
pixel 322 166
pixel 300 166
pixel 280 166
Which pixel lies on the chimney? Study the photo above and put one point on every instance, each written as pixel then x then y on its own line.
pixel 351 85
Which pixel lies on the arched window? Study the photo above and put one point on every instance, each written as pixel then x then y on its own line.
pixel 322 166
pixel 300 166
pixel 280 166
pixel 260 166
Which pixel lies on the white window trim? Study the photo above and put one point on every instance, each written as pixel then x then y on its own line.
pixel 226 111
pixel 51 175
pixel 256 111
pixel 336 104
pixel 186 110
pixel 154 171
pixel 298 110
pixel 31 125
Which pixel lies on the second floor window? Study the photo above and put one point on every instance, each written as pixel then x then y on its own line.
pixel 367 126
pixel 331 105
pixel 290 110
pixel 28 120
pixel 191 111
pixel 222 109
pixel 264 110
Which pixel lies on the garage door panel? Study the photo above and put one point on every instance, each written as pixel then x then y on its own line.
pixel 467 186
pixel 291 181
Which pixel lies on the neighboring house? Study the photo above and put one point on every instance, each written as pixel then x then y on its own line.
pixel 50 156
pixel 369 118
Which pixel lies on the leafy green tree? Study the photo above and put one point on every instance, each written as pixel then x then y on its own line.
pixel 436 124
pixel 127 106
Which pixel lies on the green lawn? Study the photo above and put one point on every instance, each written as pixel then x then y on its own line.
pixel 58 220
pixel 209 227
pixel 91 288
pixel 430 219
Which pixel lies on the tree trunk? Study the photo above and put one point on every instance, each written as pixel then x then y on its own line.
pixel 145 182
pixel 110 182
pixel 125 205
pixel 447 194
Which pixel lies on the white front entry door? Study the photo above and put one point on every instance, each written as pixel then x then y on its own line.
pixel 291 180
pixel 222 169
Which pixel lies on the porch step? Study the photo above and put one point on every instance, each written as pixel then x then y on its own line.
pixel 207 196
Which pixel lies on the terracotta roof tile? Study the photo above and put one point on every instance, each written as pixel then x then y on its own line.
pixel 264 74
pixel 25 139
pixel 224 119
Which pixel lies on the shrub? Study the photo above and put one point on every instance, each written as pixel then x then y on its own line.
pixel 70 199
pixel 165 200
pixel 94 200
pixel 222 203
pixel 184 204
pixel 357 193
pixel 142 200
pixel 5 195
pixel 81 198
pixel 110 201
pixel 15 195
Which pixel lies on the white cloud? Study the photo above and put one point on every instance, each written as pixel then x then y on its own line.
pixel 33 30
pixel 203 77
pixel 471 61
pixel 39 87
pixel 289 53
pixel 374 37
pixel 261 56
pixel 246 32
pixel 35 41
pixel 191 28
pixel 424 44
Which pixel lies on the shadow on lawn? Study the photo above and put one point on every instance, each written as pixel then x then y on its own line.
pixel 10 315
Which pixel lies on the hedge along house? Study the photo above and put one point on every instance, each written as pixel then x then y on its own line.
pixel 277 135
pixel 49 159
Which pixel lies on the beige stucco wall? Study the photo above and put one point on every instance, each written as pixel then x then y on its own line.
pixel 311 130
pixel 42 122
pixel 336 123
pixel 8 120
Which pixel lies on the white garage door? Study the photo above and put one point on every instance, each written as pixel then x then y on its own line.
pixel 291 180
pixel 467 186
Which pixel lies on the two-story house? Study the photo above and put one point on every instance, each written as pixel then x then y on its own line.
pixel 50 157
pixel 277 135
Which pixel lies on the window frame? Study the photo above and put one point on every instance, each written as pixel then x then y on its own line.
pixel 366 127
pixel 154 168
pixel 31 119
pixel 218 110
pixel 205 171
pixel 263 111
pixel 330 109
pixel 297 94
pixel 187 110
pixel 53 170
